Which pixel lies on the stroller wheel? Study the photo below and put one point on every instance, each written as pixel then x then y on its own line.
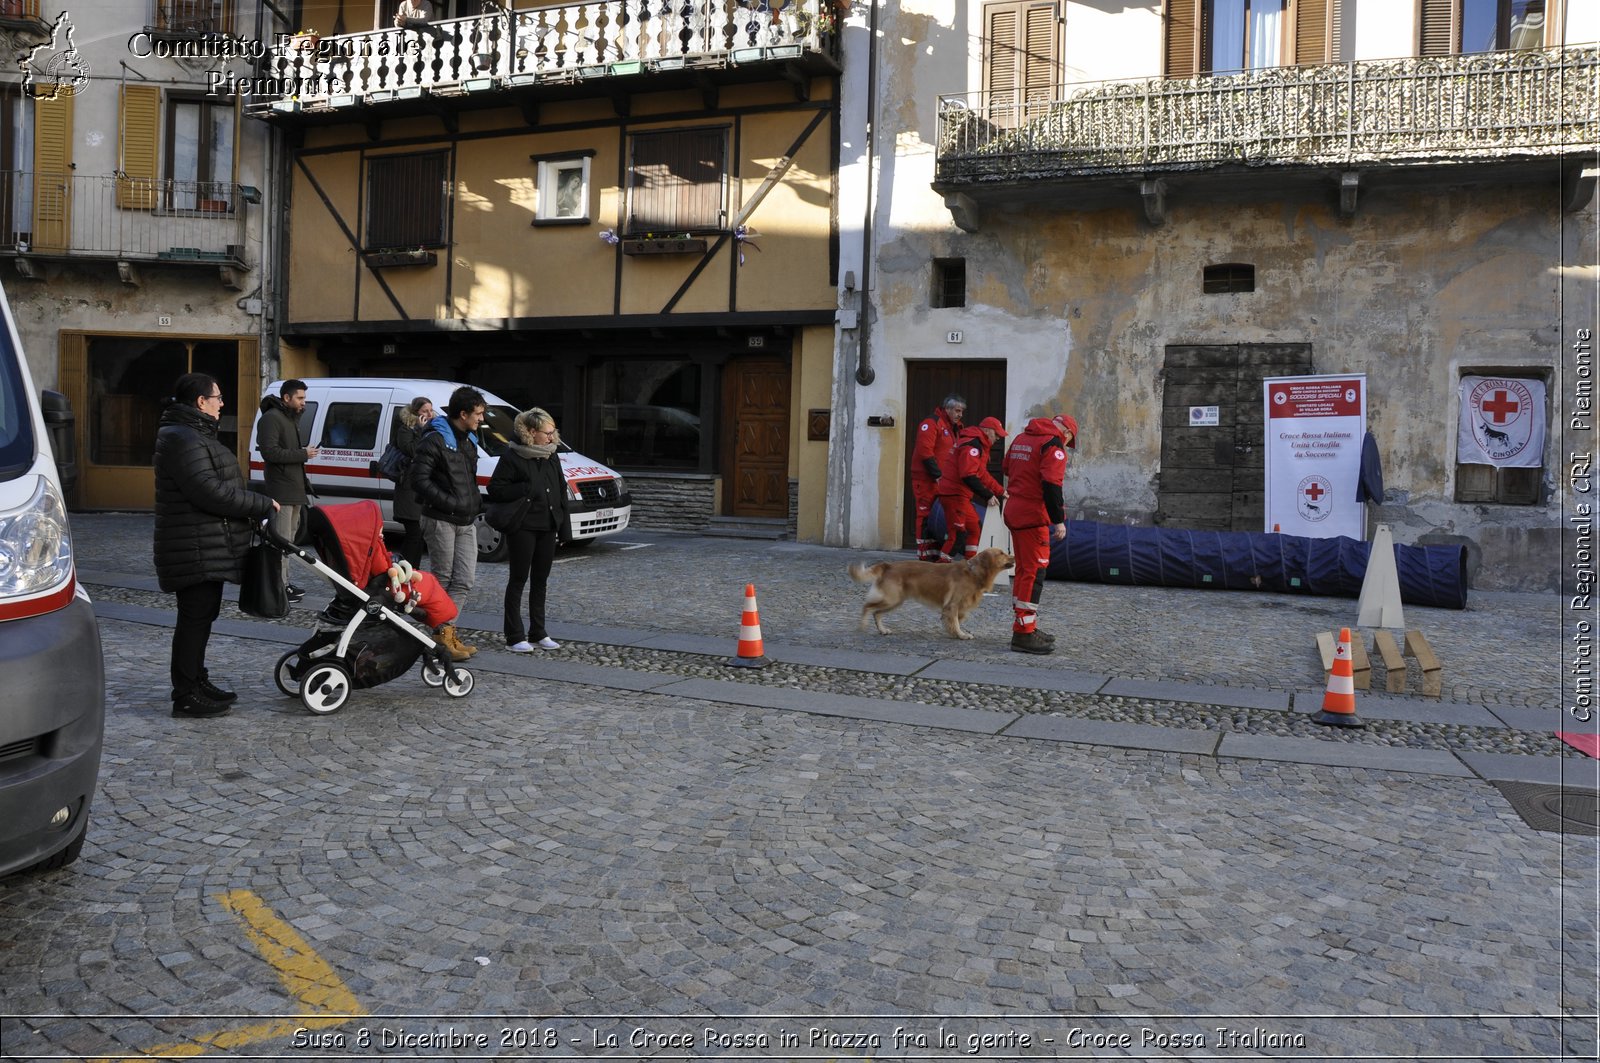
pixel 326 687
pixel 458 684
pixel 433 674
pixel 284 674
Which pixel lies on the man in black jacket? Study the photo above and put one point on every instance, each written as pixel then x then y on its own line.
pixel 284 458
pixel 444 475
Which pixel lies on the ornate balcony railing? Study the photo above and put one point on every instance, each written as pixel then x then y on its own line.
pixel 1497 105
pixel 555 44
pixel 51 215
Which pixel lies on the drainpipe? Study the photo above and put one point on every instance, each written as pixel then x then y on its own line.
pixel 864 371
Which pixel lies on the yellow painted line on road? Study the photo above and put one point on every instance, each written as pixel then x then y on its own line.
pixel 306 976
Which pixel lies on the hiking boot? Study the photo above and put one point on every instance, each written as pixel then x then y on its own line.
pixel 1030 642
pixel 216 693
pixel 196 704
pixel 1051 639
pixel 294 594
pixel 458 650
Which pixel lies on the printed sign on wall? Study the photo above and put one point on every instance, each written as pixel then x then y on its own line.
pixel 1502 422
pixel 1315 425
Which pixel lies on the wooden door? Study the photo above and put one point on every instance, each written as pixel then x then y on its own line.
pixel 757 391
pixel 982 384
pixel 1213 470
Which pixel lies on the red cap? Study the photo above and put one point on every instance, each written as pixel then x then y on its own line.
pixel 1066 420
pixel 993 424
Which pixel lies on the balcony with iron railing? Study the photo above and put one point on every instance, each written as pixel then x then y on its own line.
pixel 550 52
pixel 24 16
pixel 1499 108
pixel 124 219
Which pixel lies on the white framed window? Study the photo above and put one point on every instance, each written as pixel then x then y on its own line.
pixel 563 190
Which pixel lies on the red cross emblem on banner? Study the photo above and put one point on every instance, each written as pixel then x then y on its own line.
pixel 1315 491
pixel 1501 407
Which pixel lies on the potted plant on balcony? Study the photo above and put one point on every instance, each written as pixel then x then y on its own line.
pixel 307 40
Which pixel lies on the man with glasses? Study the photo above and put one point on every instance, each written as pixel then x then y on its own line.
pixel 284 457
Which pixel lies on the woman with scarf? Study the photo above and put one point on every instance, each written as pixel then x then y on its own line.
pixel 530 471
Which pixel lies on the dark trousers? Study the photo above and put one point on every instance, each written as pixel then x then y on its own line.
pixel 532 554
pixel 198 606
pixel 411 541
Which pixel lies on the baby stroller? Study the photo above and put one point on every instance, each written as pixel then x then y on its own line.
pixel 364 636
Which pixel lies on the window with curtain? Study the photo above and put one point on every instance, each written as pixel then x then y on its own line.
pixel 1244 35
pixel 1230 36
pixel 200 154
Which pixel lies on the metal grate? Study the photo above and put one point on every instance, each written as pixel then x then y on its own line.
pixel 598 491
pixel 1562 809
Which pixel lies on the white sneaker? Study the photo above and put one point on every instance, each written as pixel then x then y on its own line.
pixel 548 643
pixel 523 647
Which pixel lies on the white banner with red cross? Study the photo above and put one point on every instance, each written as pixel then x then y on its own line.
pixel 1314 429
pixel 1502 422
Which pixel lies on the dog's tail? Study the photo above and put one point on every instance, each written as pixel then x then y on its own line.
pixel 866 573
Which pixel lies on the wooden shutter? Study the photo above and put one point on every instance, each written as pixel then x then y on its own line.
pixel 1021 59
pixel 1438 32
pixel 675 182
pixel 1311 31
pixel 141 141
pixel 52 171
pixel 1183 39
pixel 405 200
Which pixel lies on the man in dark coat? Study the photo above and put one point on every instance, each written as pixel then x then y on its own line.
pixel 204 515
pixel 444 474
pixel 284 459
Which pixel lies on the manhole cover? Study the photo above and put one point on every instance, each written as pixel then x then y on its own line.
pixel 1554 808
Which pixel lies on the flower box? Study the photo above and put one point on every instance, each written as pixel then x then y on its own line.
pixel 212 206
pixel 307 42
pixel 677 245
pixel 394 259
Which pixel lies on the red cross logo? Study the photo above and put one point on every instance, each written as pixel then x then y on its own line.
pixel 1500 407
pixel 1315 491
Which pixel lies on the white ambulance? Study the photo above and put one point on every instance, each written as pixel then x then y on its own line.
pixel 352 419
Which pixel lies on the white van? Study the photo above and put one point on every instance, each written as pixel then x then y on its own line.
pixel 54 720
pixel 352 419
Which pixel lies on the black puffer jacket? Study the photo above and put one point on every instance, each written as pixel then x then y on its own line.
pixel 522 474
pixel 282 453
pixel 204 512
pixel 445 474
pixel 409 434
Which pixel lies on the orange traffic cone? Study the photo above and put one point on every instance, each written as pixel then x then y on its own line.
pixel 751 654
pixel 1339 703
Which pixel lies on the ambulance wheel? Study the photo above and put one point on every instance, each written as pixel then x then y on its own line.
pixel 326 688
pixel 433 674
pixel 283 675
pixel 458 684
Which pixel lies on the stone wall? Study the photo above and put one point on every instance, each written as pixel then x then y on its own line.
pixel 672 501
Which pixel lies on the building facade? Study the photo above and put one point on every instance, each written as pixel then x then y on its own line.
pixel 622 213
pixel 1125 210
pixel 131 208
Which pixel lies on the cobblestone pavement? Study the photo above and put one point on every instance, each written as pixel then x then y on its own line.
pixel 554 860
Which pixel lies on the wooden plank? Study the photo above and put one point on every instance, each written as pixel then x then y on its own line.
pixel 1393 662
pixel 1326 646
pixel 1360 665
pixel 1432 671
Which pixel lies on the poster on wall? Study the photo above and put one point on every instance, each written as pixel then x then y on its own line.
pixel 1502 422
pixel 1315 425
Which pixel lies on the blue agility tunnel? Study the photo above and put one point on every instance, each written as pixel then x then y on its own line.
pixel 1243 561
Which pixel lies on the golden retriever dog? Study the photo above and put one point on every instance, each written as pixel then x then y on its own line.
pixel 953 589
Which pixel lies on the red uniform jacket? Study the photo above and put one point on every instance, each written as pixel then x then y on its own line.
pixel 1035 465
pixel 930 455
pixel 967 475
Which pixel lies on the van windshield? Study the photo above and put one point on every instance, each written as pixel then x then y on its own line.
pixel 16 425
pixel 496 430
